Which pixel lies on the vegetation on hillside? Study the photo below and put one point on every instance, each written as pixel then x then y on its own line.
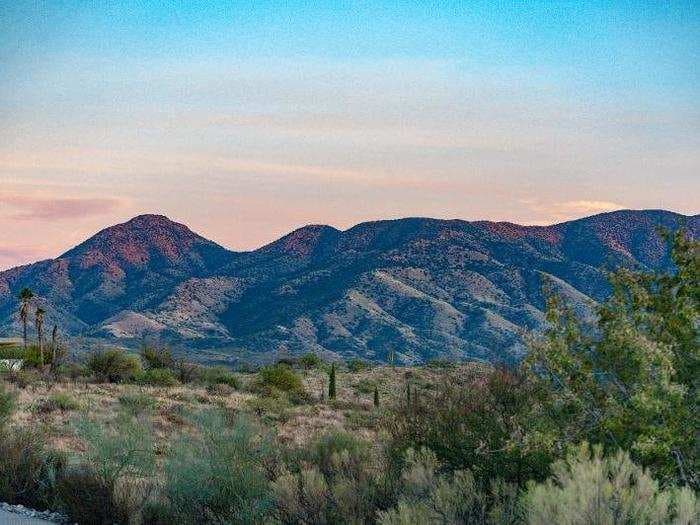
pixel 598 425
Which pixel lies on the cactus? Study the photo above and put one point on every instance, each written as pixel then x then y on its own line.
pixel 376 397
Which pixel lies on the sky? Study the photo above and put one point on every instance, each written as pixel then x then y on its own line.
pixel 246 120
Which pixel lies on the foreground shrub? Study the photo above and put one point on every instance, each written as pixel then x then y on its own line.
pixel 114 366
pixel 61 401
pixel 137 403
pixel 27 470
pixel 280 378
pixel 157 377
pixel 426 496
pixel 590 488
pixel 111 483
pixel 32 357
pixel 486 424
pixel 218 375
pixel 119 448
pixel 338 481
pixel 8 403
pixel 218 475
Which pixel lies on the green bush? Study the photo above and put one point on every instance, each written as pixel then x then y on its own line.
pixel 484 424
pixel 588 487
pixel 11 352
pixel 280 378
pixel 157 377
pixel 61 401
pixel 136 403
pixel 310 360
pixel 27 470
pixel 271 409
pixel 32 356
pixel 366 386
pixel 8 403
pixel 357 365
pixel 218 375
pixel 23 378
pixel 160 357
pixel 336 481
pixel 428 496
pixel 114 366
pixel 217 475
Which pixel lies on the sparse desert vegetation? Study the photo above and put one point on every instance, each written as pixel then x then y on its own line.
pixel 597 425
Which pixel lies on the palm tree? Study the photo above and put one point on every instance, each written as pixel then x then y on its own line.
pixel 39 321
pixel 25 297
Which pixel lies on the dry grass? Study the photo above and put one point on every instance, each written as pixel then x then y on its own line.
pixel 352 410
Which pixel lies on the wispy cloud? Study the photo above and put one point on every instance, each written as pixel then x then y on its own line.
pixel 20 207
pixel 563 211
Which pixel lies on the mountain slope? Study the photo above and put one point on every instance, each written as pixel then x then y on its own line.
pixel 417 288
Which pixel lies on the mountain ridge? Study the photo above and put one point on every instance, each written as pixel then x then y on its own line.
pixel 419 287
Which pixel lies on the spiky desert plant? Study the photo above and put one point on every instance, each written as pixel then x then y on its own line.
pixel 25 298
pixel 376 397
pixel 331 383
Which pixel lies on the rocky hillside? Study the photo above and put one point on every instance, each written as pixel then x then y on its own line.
pixel 413 288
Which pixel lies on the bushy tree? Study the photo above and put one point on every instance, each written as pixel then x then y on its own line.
pixel 630 381
pixel 114 365
pixel 488 423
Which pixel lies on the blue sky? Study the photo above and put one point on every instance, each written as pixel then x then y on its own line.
pixel 247 119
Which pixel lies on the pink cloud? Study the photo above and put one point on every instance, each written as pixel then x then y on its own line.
pixel 58 208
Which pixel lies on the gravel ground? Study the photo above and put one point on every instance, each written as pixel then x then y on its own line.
pixel 20 515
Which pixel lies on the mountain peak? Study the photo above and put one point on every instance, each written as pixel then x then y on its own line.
pixel 139 240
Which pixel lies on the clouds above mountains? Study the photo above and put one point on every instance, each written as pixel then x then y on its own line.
pixel 32 208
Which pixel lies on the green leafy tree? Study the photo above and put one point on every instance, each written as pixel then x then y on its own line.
pixel 630 381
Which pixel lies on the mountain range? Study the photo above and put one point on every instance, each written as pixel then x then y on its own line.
pixel 411 289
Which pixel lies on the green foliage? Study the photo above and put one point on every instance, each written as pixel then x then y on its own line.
pixel 218 375
pixel 280 378
pixel 158 357
pixel 426 496
pixel 218 475
pixel 137 403
pixel 338 481
pixel 27 470
pixel 271 409
pixel 310 361
pixel 488 424
pixel 366 386
pixel 590 488
pixel 8 403
pixel 357 365
pixel 631 383
pixel 11 352
pixel 117 449
pixel 60 401
pixel 331 383
pixel 33 358
pixel 157 377
pixel 114 366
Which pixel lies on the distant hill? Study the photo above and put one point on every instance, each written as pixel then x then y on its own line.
pixel 422 288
